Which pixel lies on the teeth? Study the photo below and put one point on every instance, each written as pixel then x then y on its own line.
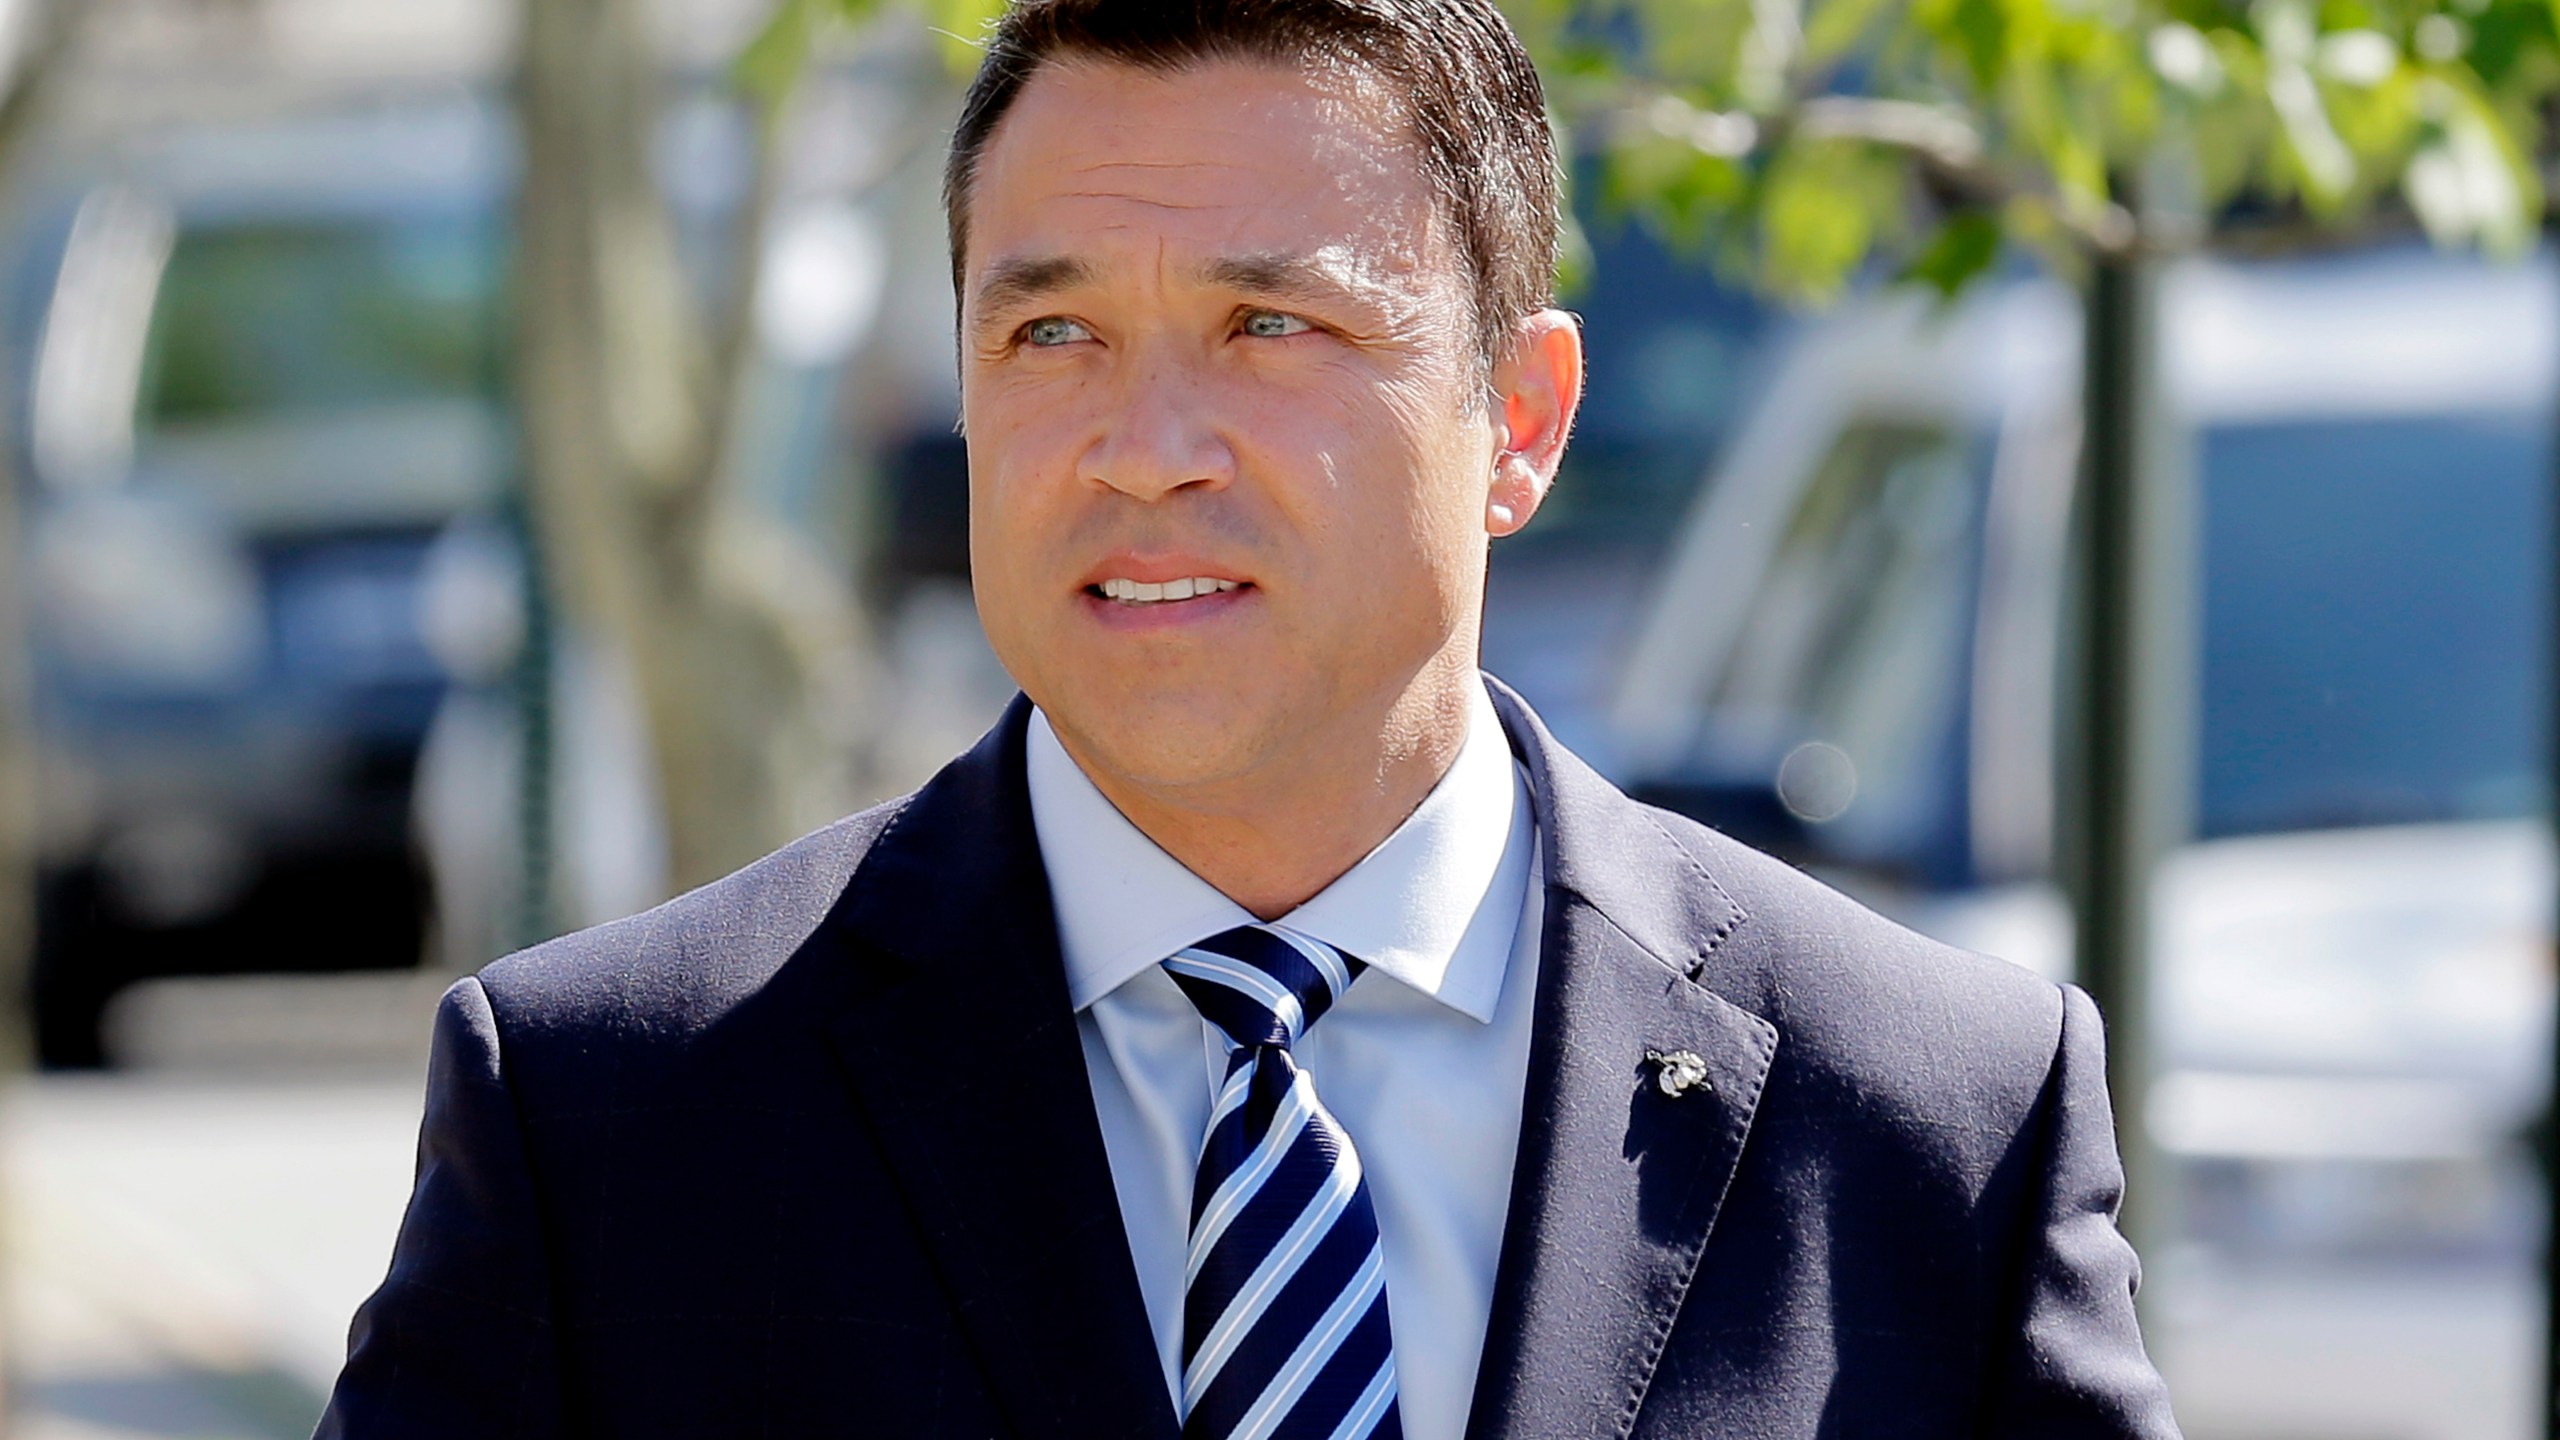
pixel 1140 592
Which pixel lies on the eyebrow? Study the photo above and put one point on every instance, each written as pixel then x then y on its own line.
pixel 1021 282
pixel 1283 277
pixel 1009 283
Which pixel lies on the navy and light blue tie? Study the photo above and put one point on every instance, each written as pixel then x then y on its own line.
pixel 1284 1307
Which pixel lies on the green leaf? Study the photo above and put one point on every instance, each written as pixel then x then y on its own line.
pixel 2505 32
pixel 1820 207
pixel 1981 30
pixel 2471 183
pixel 1837 26
pixel 771 63
pixel 1681 192
pixel 1963 249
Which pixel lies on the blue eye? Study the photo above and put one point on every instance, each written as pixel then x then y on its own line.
pixel 1272 324
pixel 1054 330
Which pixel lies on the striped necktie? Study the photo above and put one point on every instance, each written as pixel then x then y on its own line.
pixel 1284 1307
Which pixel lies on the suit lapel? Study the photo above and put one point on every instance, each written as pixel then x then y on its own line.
pixel 962 1049
pixel 961 1046
pixel 1617 1184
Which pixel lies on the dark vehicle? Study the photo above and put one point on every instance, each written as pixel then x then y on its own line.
pixel 263 381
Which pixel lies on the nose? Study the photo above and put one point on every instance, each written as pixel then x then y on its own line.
pixel 1157 437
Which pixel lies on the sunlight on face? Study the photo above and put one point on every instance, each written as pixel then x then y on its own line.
pixel 1228 450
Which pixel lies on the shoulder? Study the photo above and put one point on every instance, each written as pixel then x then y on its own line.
pixel 1884 1021
pixel 679 967
pixel 1872 1019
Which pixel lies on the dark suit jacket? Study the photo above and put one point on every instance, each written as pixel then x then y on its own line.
pixel 811 1152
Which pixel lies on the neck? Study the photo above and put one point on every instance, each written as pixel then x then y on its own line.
pixel 1273 839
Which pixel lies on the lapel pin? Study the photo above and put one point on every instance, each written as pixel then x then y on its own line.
pixel 1679 1072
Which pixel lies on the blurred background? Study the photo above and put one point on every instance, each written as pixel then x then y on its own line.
pixel 470 468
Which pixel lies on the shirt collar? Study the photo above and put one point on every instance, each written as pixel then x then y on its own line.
pixel 1436 905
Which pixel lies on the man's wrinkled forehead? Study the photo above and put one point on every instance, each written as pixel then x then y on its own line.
pixel 1242 161
pixel 1336 280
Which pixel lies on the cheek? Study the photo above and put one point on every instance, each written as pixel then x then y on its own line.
pixel 1445 461
pixel 1017 432
pixel 1021 465
pixel 1008 556
pixel 1384 490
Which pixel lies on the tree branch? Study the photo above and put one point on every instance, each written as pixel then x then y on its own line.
pixel 1941 141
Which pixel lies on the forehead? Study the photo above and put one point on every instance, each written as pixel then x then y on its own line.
pixel 1116 166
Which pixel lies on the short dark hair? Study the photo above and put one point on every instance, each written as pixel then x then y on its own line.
pixel 1465 84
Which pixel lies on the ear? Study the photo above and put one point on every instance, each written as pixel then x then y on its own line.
pixel 1537 387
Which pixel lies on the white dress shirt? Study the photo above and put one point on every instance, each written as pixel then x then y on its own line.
pixel 1423 1062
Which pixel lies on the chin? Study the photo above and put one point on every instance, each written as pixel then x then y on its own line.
pixel 1196 735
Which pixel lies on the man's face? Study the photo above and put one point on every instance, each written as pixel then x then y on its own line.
pixel 1217 340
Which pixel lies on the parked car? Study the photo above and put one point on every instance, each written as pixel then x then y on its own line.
pixel 262 378
pixel 1853 652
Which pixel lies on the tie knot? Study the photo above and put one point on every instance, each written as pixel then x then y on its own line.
pixel 1262 984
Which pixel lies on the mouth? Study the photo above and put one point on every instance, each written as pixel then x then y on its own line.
pixel 1120 590
pixel 1166 601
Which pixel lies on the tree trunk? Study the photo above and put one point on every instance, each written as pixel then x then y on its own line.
pixel 2131 763
pixel 727 627
pixel 2546 1137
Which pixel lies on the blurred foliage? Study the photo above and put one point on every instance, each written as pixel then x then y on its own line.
pixel 1795 142
pixel 773 60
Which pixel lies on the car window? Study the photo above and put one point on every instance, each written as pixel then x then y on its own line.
pixel 1845 682
pixel 270 320
pixel 2375 620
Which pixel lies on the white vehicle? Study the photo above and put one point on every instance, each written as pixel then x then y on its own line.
pixel 1854 653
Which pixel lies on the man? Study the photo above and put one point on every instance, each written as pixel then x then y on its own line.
pixel 1268 1029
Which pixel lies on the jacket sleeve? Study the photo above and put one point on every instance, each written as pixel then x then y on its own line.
pixel 2073 1365
pixel 459 1338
